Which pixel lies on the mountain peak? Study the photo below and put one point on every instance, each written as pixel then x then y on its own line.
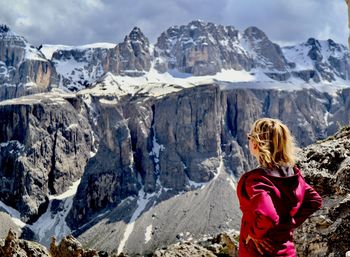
pixel 4 28
pixel 313 42
pixel 136 34
pixel 254 32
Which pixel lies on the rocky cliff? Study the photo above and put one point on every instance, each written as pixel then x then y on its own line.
pixel 326 166
pixel 23 69
pixel 45 143
pixel 135 153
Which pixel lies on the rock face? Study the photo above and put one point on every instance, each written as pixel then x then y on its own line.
pixel 80 67
pixel 326 165
pixel 23 69
pixel 269 56
pixel 147 150
pixel 201 48
pixel 165 146
pixel 45 143
pixel 109 176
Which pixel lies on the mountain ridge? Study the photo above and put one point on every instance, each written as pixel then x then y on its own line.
pixel 196 49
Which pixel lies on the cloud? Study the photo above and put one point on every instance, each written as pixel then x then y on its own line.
pixel 76 22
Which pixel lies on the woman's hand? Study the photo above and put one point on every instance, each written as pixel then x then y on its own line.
pixel 261 245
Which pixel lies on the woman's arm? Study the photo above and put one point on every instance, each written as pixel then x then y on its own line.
pixel 312 202
pixel 261 205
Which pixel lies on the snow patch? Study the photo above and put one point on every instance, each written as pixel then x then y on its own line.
pixel 54 223
pixel 142 202
pixel 148 234
pixel 15 215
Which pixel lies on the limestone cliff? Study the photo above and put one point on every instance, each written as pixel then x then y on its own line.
pixel 23 69
pixel 45 142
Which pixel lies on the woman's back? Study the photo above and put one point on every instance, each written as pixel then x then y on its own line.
pixel 274 199
pixel 273 206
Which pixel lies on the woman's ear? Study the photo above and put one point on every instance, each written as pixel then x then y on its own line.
pixel 255 146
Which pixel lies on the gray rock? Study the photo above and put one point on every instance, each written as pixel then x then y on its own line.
pixel 129 58
pixel 326 166
pixel 45 144
pixel 269 56
pixel 23 68
pixel 201 48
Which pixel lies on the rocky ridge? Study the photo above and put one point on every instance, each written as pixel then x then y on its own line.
pixel 198 48
pixel 326 165
pixel 224 244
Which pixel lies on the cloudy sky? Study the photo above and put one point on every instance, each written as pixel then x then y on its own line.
pixel 77 22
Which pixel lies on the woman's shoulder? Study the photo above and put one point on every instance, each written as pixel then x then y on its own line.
pixel 252 174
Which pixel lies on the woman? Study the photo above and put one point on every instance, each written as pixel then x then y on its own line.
pixel 274 198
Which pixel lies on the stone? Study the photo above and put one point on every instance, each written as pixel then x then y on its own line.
pixel 14 247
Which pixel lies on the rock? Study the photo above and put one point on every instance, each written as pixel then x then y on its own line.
pixel 201 48
pixel 183 250
pixel 129 58
pixel 23 69
pixel 14 247
pixel 45 142
pixel 269 55
pixel 326 166
pixel 70 247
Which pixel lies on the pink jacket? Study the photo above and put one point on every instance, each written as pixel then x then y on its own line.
pixel 272 208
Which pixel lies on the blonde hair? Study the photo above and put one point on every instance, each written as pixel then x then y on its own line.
pixel 275 143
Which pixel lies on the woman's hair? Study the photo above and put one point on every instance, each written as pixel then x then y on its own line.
pixel 275 143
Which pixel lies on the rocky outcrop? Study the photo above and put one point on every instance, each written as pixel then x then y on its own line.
pixel 14 247
pixel 45 143
pixel 134 54
pixel 23 69
pixel 70 247
pixel 326 166
pixel 224 244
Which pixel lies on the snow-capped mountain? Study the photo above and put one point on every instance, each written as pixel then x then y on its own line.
pixel 79 67
pixel 198 49
pixel 325 60
pixel 156 133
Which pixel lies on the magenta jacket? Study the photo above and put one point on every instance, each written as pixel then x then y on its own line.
pixel 272 208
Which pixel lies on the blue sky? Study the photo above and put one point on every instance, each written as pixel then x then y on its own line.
pixel 77 22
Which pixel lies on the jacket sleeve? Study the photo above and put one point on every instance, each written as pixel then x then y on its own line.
pixel 261 205
pixel 312 202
